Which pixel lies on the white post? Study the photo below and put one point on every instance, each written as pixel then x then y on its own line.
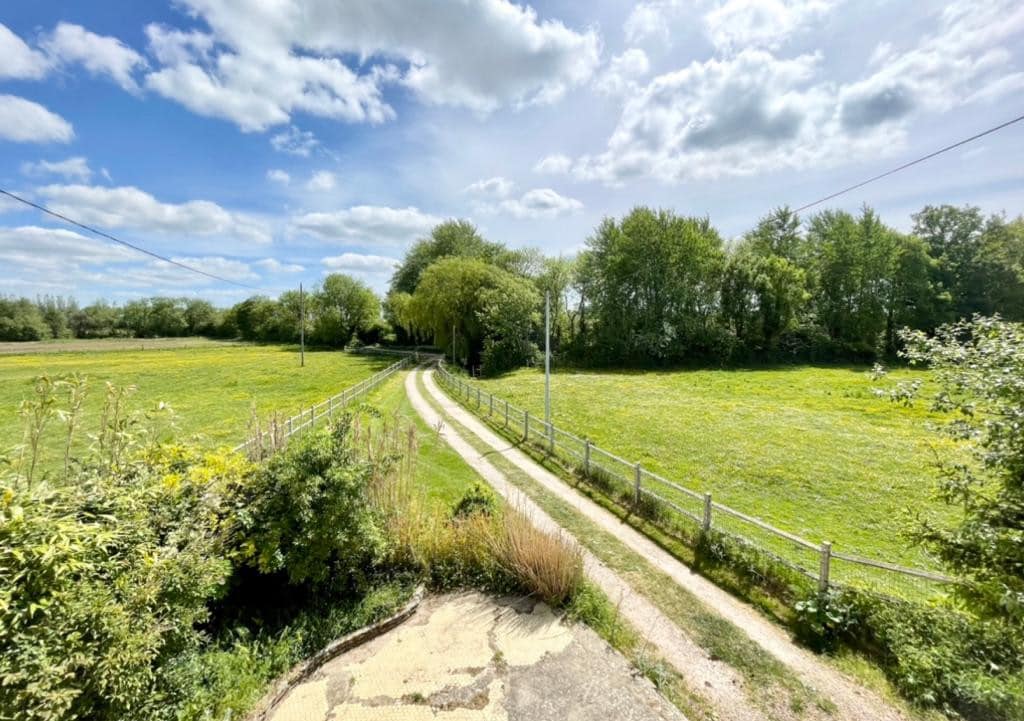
pixel 490 409
pixel 526 426
pixel 706 525
pixel 506 414
pixel 636 489
pixel 823 570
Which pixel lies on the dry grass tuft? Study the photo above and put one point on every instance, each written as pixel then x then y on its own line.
pixel 546 564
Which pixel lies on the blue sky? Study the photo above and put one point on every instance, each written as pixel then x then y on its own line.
pixel 273 142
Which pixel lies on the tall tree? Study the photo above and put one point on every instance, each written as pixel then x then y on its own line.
pixel 342 307
pixel 450 239
pixel 652 283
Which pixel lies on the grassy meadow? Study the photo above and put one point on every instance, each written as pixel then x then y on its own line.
pixel 211 386
pixel 811 450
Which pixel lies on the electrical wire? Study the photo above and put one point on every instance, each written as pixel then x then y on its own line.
pixel 911 163
pixel 134 247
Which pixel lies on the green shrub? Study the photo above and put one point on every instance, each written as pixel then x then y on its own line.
pixel 307 513
pixel 478 498
pixel 102 584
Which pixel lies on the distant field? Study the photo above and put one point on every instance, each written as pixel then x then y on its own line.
pixel 93 345
pixel 210 386
pixel 811 450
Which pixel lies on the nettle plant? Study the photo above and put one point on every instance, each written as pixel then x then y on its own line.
pixel 978 365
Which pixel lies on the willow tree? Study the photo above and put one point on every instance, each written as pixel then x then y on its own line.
pixel 482 304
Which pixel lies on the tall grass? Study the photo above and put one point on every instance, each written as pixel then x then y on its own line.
pixel 548 564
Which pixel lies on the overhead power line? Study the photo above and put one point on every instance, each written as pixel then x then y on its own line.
pixel 125 243
pixel 911 163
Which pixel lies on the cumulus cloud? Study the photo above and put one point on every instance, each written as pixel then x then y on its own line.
pixel 494 195
pixel 19 60
pixel 736 24
pixel 262 62
pixel 279 176
pixel 76 168
pixel 496 187
pixel 556 164
pixel 229 268
pixel 321 181
pixel 730 25
pixel 129 207
pixel 24 121
pixel 273 265
pixel 295 142
pixel 540 203
pixel 99 54
pixel 623 73
pixel 34 248
pixel 372 224
pixel 361 263
pixel 751 111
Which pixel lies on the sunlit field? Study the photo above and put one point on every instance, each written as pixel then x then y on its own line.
pixel 811 450
pixel 211 387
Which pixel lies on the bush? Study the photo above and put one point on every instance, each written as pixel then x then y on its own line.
pixel 478 498
pixel 307 513
pixel 104 584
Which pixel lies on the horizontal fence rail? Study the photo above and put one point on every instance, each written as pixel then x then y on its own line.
pixel 638 486
pixel 271 438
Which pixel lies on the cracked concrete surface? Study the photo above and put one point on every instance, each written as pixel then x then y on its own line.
pixel 470 657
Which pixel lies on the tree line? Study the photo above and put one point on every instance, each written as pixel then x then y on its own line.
pixel 653 287
pixel 337 311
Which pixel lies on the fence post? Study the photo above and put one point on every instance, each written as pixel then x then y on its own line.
pixel 490 411
pixel 586 458
pixel 506 414
pixel 526 426
pixel 706 525
pixel 312 417
pixel 330 407
pixel 551 438
pixel 636 489
pixel 478 398
pixel 289 426
pixel 823 570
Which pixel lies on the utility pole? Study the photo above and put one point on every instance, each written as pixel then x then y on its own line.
pixel 547 358
pixel 302 328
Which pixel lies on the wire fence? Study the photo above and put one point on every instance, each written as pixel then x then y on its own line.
pixel 693 515
pixel 264 441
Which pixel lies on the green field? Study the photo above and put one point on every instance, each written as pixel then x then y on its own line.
pixel 809 449
pixel 211 387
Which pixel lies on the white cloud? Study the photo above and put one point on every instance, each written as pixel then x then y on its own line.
pixel 272 265
pixel 19 60
pixel 361 263
pixel 321 181
pixel 235 270
pixel 76 168
pixel 556 164
pixel 967 59
pixel 279 176
pixel 129 207
pixel 494 195
pixel 368 223
pixel 540 203
pixel 99 54
pixel 754 112
pixel 496 187
pixel 26 122
pixel 623 73
pixel 33 248
pixel 266 61
pixel 295 142
pixel 737 24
